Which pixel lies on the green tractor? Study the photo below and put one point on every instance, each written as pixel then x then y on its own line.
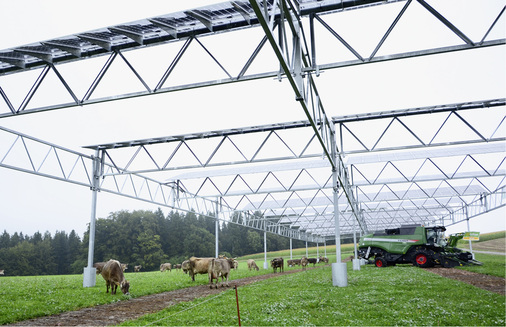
pixel 422 246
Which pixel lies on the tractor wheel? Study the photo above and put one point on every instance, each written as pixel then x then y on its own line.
pixel 380 262
pixel 423 259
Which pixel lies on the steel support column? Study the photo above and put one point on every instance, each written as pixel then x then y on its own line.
pixel 89 276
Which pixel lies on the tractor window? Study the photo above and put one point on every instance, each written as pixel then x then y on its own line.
pixel 441 240
pixel 431 236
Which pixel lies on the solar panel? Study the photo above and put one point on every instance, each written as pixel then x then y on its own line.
pixel 160 29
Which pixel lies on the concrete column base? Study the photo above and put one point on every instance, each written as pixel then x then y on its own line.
pixel 356 264
pixel 339 274
pixel 89 276
pixel 266 265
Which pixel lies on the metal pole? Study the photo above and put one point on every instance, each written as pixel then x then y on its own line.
pixel 265 250
pixel 356 260
pixel 469 229
pixel 216 228
pixel 291 248
pixel 339 273
pixel 336 217
pixel 89 275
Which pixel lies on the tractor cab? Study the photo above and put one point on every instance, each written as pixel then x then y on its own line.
pixel 436 236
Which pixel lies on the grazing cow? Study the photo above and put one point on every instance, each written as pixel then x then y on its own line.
pixel 2 272
pixel 293 262
pixel 219 268
pixel 236 264
pixel 199 266
pixel 177 266
pixel 324 259
pixel 252 264
pixel 137 268
pixel 113 275
pixel 351 257
pixel 277 263
pixel 124 266
pixel 99 266
pixel 165 266
pixel 185 266
pixel 304 262
pixel 312 260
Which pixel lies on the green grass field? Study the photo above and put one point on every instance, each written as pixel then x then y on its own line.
pixel 400 295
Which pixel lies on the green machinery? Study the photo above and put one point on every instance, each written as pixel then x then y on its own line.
pixel 422 246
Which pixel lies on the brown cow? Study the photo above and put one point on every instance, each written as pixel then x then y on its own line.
pixel 113 275
pixel 185 266
pixel 124 266
pixel 99 266
pixel 351 257
pixel 219 268
pixel 137 268
pixel 199 266
pixel 324 259
pixel 293 262
pixel 252 264
pixel 177 266
pixel 165 266
pixel 304 262
pixel 277 263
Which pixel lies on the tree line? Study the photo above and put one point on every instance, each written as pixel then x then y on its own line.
pixel 140 237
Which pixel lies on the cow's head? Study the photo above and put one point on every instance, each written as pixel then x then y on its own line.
pixel 125 286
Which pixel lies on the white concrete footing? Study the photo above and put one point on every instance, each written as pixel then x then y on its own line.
pixel 339 274
pixel 356 264
pixel 90 276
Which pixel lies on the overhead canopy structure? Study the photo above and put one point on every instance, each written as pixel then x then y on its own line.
pixel 280 176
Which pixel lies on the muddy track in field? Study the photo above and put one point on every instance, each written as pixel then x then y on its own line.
pixel 118 312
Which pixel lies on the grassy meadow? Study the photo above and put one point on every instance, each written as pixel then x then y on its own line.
pixel 400 295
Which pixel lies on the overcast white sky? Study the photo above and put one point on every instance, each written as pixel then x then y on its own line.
pixel 29 203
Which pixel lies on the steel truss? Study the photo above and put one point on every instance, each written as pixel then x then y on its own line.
pixel 280 187
pixel 266 178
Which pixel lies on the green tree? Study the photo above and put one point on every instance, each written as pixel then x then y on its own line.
pixel 254 241
pixel 199 242
pixel 5 240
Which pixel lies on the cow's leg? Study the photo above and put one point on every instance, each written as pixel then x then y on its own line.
pixel 107 285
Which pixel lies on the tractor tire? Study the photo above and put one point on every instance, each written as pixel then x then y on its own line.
pixel 380 262
pixel 423 259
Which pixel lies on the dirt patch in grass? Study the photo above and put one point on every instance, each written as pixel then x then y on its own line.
pixel 490 283
pixel 118 312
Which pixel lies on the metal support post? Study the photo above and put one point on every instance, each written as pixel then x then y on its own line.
pixel 356 260
pixel 339 273
pixel 89 275
pixel 216 229
pixel 291 248
pixel 469 229
pixel 265 251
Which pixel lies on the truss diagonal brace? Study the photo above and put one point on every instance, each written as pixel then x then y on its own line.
pixel 322 126
pixel 294 77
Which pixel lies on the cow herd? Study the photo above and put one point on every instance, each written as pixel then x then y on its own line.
pixel 112 270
